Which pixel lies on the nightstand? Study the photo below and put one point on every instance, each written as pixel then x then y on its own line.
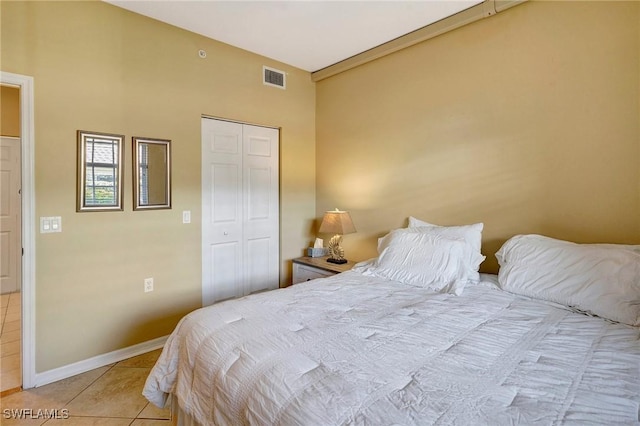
pixel 309 268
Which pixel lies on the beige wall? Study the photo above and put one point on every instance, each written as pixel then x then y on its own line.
pixel 98 67
pixel 9 111
pixel 527 121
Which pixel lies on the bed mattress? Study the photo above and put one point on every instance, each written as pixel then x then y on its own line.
pixel 354 349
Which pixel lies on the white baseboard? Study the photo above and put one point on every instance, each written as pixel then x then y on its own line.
pixel 69 370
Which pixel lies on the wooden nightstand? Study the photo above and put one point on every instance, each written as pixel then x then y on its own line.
pixel 309 268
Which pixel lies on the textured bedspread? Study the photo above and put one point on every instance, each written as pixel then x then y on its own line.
pixel 352 349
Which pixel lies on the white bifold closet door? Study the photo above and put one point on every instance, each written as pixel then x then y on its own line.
pixel 240 209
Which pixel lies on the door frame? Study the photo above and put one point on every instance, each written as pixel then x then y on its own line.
pixel 28 288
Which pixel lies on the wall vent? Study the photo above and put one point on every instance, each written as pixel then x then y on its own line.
pixel 274 77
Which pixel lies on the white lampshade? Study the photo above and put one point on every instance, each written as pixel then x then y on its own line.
pixel 337 222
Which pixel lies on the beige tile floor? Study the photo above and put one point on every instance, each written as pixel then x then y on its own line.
pixel 106 396
pixel 10 337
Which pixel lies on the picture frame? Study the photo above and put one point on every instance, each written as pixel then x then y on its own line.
pixel 100 172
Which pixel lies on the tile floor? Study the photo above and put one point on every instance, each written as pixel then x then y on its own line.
pixel 106 396
pixel 10 336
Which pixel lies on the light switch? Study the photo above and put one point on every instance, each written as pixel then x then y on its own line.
pixel 186 216
pixel 50 224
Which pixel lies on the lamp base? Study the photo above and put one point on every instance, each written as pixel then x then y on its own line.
pixel 338 261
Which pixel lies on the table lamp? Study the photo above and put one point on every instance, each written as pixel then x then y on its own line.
pixel 339 223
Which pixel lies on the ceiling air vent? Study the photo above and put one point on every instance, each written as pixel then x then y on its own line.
pixel 273 77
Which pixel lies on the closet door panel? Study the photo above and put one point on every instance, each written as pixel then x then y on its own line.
pixel 226 270
pixel 221 210
pixel 262 210
pixel 225 199
pixel 259 196
pixel 259 272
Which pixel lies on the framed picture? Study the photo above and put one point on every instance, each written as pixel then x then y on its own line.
pixel 100 171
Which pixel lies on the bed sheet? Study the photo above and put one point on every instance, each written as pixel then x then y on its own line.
pixel 352 349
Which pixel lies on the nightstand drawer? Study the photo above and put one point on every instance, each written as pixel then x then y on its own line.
pixel 309 268
pixel 302 273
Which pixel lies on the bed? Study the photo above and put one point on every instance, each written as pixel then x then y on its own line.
pixel 431 341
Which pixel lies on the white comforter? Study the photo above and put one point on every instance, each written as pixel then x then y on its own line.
pixel 352 349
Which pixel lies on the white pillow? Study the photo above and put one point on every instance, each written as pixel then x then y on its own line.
pixel 426 260
pixel 601 279
pixel 470 233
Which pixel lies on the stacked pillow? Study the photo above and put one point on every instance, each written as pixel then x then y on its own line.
pixel 440 258
pixel 599 279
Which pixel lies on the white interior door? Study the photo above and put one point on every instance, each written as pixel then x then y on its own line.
pixel 240 209
pixel 10 215
pixel 261 208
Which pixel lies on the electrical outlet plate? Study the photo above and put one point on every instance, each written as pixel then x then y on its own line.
pixel 50 224
pixel 148 285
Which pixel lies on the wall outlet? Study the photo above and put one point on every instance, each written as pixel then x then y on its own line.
pixel 148 285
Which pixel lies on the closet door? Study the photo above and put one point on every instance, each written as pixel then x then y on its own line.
pixel 261 221
pixel 240 215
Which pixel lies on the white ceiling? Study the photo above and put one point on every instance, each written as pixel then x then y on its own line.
pixel 308 34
